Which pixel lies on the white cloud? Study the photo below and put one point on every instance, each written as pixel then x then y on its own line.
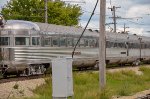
pixel 138 11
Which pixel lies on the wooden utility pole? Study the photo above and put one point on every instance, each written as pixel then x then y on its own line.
pixel 114 18
pixel 46 17
pixel 102 55
pixel 113 9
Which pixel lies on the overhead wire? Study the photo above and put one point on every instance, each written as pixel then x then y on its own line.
pixel 85 28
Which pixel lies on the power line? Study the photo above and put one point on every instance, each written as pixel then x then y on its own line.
pixel 95 13
pixel 135 22
pixel 85 28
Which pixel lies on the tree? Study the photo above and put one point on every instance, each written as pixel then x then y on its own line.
pixel 33 10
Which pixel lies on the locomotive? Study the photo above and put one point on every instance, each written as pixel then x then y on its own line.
pixel 28 48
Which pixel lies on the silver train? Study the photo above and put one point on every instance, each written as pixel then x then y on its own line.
pixel 28 48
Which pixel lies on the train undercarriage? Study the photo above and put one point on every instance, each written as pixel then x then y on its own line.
pixel 23 69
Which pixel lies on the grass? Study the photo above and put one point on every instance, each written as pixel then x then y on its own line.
pixel 86 85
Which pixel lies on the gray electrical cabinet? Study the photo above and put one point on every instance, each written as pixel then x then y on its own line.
pixel 62 81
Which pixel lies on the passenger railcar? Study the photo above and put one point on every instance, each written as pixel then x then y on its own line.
pixel 28 48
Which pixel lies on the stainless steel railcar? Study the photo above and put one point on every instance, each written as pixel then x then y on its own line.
pixel 28 48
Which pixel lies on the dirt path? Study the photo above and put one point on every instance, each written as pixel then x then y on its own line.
pixel 19 89
pixel 134 68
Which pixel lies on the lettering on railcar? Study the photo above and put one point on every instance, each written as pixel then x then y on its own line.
pixel 123 52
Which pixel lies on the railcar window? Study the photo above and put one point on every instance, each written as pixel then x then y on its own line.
pixel 115 44
pixel 22 40
pixel 148 45
pixel 111 44
pixel 145 45
pixel 4 41
pixel 133 45
pixel 92 43
pixel 97 43
pixel 82 42
pixel 142 45
pixel 86 42
pixel 62 42
pixel 137 45
pixel 70 42
pixel 108 45
pixel 48 41
pixel 55 41
pixel 35 40
pixel 121 45
pixel 75 41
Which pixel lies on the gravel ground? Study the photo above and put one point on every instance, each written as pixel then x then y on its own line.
pixel 19 89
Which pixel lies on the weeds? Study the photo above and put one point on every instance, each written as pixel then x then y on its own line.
pixel 86 85
pixel 16 86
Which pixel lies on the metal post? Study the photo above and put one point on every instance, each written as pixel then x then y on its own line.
pixel 140 39
pixel 124 28
pixel 102 64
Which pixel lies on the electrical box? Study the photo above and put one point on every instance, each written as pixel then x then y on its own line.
pixel 62 81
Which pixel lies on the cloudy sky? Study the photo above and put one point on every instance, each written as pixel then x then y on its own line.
pixel 136 14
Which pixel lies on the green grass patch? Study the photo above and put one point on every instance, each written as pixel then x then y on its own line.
pixel 86 85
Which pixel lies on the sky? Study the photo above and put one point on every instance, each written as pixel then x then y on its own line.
pixel 136 14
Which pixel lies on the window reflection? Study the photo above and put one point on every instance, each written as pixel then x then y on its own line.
pixel 55 41
pixel 4 40
pixel 62 41
pixel 35 41
pixel 22 41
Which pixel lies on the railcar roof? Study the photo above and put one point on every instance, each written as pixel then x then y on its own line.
pixel 68 30
pixel 71 30
pixel 20 24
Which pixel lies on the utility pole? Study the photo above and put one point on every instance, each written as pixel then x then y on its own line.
pixel 102 51
pixel 45 9
pixel 125 28
pixel 114 16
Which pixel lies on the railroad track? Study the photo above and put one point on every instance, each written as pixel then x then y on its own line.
pixel 21 78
